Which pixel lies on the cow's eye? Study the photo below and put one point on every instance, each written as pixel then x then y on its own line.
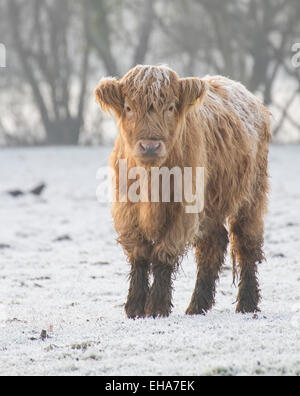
pixel 128 109
pixel 171 108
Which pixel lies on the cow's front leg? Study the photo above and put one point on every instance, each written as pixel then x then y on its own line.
pixel 159 302
pixel 138 253
pixel 138 289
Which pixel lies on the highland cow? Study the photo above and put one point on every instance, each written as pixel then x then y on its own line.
pixel 214 123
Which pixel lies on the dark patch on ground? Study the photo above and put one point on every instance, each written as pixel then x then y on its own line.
pixel 63 238
pixel 4 246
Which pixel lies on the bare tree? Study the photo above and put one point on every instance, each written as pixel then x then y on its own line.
pixel 247 40
pixel 144 32
pixel 109 26
pixel 53 60
pixel 57 47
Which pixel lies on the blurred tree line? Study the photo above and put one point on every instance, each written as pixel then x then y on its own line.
pixel 57 50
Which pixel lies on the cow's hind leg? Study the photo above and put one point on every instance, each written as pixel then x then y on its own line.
pixel 247 237
pixel 210 256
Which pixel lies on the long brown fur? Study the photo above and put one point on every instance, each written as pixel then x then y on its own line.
pixel 213 123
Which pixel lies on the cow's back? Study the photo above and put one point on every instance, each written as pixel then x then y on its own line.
pixel 235 128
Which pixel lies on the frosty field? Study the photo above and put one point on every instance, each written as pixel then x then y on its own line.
pixel 61 271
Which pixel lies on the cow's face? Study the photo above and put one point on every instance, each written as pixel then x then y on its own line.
pixel 150 103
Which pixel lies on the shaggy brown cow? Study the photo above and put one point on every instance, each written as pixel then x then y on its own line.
pixel 213 123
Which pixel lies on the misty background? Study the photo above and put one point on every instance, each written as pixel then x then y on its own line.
pixel 57 51
pixel 63 279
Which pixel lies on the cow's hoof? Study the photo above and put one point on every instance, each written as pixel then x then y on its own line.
pixel 152 311
pixel 134 311
pixel 199 306
pixel 194 310
pixel 157 314
pixel 247 308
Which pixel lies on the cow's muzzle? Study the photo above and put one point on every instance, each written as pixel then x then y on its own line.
pixel 150 148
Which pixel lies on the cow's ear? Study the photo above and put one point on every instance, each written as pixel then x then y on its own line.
pixel 109 95
pixel 193 91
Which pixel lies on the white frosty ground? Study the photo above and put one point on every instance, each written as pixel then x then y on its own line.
pixel 75 289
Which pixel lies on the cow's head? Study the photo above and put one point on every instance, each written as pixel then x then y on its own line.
pixel 150 104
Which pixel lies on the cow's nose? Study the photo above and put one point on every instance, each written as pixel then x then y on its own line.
pixel 150 148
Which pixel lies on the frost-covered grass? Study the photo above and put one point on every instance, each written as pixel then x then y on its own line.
pixel 75 288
